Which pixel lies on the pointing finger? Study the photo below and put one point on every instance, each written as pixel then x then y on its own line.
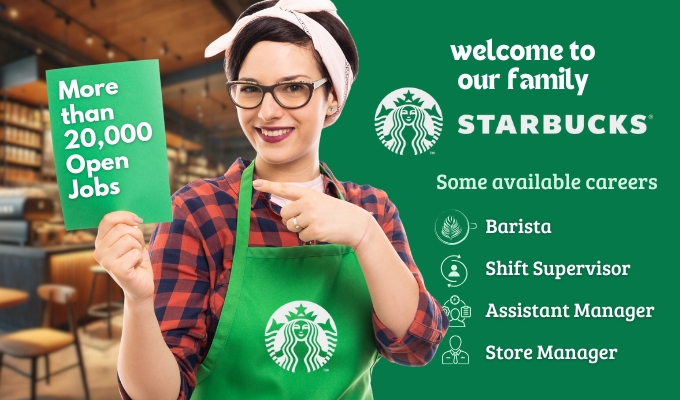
pixel 281 189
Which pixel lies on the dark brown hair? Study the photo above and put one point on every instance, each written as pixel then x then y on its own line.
pixel 279 30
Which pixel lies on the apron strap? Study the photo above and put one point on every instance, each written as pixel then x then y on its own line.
pixel 245 198
pixel 237 273
pixel 337 189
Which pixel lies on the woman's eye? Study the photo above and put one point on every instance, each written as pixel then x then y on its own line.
pixel 292 88
pixel 249 89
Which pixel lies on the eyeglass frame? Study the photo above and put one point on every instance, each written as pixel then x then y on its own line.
pixel 270 89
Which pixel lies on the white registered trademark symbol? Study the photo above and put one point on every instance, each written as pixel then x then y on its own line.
pixel 651 116
pixel 432 152
pixel 326 370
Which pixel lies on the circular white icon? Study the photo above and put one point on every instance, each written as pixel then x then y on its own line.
pixel 301 332
pixel 408 118
pixel 452 227
pixel 454 271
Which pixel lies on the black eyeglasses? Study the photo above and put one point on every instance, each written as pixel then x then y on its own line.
pixel 288 94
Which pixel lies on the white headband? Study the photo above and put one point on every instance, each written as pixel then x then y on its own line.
pixel 331 53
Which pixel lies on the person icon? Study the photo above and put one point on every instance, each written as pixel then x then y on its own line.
pixel 457 311
pixel 454 272
pixel 454 319
pixel 455 355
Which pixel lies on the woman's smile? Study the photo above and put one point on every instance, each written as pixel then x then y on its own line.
pixel 273 134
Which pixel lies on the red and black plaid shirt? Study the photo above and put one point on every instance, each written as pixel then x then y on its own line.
pixel 192 257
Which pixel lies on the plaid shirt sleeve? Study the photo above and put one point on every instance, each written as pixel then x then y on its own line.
pixel 182 284
pixel 429 326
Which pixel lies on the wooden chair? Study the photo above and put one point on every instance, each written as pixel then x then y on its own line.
pixel 40 342
pixel 103 310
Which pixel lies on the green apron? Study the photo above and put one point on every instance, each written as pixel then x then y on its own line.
pixel 296 322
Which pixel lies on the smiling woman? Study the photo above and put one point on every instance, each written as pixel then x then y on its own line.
pixel 276 268
pixel 284 135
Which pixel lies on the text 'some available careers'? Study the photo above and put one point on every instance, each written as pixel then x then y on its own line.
pixel 109 142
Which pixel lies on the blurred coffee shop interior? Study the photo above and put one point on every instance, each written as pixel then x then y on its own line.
pixel 60 313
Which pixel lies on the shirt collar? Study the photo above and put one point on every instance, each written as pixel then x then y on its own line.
pixel 235 171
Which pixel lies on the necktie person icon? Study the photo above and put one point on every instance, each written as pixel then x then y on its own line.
pixel 455 355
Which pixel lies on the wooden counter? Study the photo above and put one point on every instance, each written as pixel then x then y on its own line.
pixel 27 267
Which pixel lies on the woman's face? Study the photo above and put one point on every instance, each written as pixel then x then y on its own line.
pixel 301 329
pixel 268 63
pixel 408 114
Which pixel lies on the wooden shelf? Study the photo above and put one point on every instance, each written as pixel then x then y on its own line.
pixel 28 146
pixel 22 182
pixel 20 125
pixel 21 163
pixel 23 120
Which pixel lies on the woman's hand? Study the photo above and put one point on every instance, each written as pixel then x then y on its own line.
pixel 119 248
pixel 322 217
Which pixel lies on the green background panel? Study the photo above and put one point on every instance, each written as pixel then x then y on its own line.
pixel 407 44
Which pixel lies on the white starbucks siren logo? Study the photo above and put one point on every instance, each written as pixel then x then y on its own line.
pixel 301 331
pixel 402 119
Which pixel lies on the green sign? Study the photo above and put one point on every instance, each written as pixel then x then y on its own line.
pixel 566 161
pixel 108 136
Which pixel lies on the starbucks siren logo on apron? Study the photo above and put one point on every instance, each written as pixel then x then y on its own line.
pixel 301 332
pixel 408 118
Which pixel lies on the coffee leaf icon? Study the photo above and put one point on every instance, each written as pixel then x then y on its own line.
pixel 451 228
